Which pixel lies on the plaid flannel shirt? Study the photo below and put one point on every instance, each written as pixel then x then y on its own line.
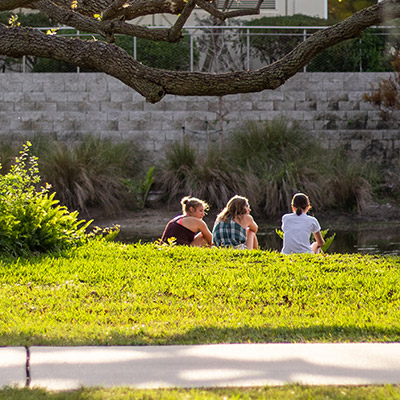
pixel 226 234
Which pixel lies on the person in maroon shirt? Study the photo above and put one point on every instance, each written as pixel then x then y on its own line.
pixel 189 228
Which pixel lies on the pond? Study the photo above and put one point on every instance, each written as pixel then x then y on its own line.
pixel 382 238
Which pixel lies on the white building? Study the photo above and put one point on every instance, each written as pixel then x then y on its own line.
pixel 269 8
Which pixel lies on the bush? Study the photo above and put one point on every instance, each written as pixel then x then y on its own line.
pixel 282 160
pixel 90 173
pixel 30 218
pixel 210 177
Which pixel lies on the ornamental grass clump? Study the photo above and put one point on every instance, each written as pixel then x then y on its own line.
pixel 31 220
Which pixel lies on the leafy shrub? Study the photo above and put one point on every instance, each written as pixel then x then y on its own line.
pixel 30 218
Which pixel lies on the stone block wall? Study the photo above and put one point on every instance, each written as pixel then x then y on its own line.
pixel 69 106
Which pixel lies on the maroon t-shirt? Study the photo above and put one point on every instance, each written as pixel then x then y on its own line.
pixel 175 229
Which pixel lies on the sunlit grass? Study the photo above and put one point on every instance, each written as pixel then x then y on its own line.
pixel 111 293
pixel 298 392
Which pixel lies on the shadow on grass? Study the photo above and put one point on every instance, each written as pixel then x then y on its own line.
pixel 207 335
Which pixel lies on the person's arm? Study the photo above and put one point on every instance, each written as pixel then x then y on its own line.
pixel 248 222
pixel 203 228
pixel 319 239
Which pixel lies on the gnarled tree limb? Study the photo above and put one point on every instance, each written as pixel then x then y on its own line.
pixel 154 83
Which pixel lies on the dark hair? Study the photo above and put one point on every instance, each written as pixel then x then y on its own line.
pixel 234 208
pixel 300 202
pixel 194 202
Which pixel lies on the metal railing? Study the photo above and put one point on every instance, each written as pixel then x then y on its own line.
pixel 224 48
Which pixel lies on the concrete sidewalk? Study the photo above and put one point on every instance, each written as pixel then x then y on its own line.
pixel 65 368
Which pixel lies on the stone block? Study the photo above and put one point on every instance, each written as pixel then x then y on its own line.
pixel 42 126
pixel 67 106
pixel 10 86
pixel 54 86
pixel 133 106
pixel 77 96
pixel 32 86
pixel 7 106
pixel 270 95
pixel 24 106
pixel 118 116
pixel 264 105
pixel 99 94
pixel 106 106
pixel 105 126
pixel 348 105
pixel 306 106
pixel 140 116
pixel 126 126
pixel 284 105
pixel 64 126
pixel 121 97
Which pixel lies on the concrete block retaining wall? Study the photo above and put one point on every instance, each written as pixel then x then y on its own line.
pixel 70 105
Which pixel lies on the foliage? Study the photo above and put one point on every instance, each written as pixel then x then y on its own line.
pixel 283 392
pixel 386 96
pixel 88 173
pixel 328 240
pixel 282 159
pixel 36 19
pixel 30 218
pixel 188 172
pixel 340 10
pixel 349 189
pixel 107 293
pixel 366 54
pixel 140 190
pixel 272 44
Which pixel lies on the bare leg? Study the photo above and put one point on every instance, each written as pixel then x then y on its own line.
pixel 199 241
pixel 315 248
pixel 251 240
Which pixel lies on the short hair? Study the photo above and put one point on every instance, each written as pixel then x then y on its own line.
pixel 194 202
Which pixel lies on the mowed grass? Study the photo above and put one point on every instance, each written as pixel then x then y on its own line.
pixel 118 294
pixel 295 392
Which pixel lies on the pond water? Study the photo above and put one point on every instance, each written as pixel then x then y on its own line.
pixel 373 239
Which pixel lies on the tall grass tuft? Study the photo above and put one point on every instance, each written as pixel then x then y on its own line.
pixel 282 160
pixel 207 176
pixel 89 173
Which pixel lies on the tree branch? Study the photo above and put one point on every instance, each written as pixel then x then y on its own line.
pixel 223 15
pixel 6 5
pixel 154 83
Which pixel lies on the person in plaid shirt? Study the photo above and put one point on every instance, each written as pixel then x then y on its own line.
pixel 235 227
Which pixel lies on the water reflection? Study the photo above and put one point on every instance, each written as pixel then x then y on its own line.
pixel 366 240
pixel 384 240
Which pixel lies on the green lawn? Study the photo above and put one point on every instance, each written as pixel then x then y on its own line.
pixel 117 294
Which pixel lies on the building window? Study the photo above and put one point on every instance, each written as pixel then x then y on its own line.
pixel 267 4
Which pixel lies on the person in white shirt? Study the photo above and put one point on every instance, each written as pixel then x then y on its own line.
pixel 298 226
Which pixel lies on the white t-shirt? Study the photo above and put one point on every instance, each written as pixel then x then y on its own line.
pixel 296 232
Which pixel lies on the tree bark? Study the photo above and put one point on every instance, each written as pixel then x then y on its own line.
pixel 154 83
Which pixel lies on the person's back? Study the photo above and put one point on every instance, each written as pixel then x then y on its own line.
pixel 297 228
pixel 296 232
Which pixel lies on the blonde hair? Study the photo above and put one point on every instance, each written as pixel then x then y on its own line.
pixel 300 202
pixel 187 202
pixel 234 208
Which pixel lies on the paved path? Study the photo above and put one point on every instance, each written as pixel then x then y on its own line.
pixel 62 368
